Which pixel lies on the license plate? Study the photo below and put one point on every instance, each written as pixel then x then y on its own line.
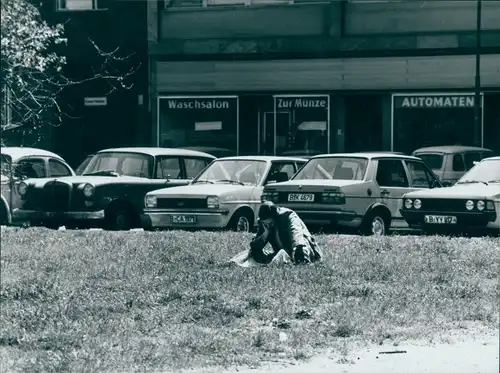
pixel 183 219
pixel 440 219
pixel 301 197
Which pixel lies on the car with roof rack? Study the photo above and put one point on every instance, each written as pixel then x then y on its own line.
pixel 110 192
pixel 472 205
pixel 361 191
pixel 227 194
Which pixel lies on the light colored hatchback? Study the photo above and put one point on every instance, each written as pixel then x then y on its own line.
pixel 449 163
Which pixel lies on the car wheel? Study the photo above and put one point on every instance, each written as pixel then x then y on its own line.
pixel 4 220
pixel 119 220
pixel 376 224
pixel 241 222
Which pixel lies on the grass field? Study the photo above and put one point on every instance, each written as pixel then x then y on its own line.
pixel 141 301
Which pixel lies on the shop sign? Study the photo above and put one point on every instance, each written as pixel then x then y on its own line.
pixel 95 101
pixel 198 104
pixel 434 101
pixel 301 102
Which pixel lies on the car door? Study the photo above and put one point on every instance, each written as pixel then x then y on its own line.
pixel 393 183
pixel 57 168
pixel 25 168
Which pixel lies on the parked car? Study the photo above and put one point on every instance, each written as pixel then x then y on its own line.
pixel 471 205
pixel 110 193
pixel 449 163
pixel 81 167
pixel 361 191
pixel 225 195
pixel 17 164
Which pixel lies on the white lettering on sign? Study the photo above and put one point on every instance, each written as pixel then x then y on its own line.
pixel 438 102
pixel 198 104
pixel 286 103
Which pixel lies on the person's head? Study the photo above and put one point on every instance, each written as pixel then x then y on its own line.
pixel 268 211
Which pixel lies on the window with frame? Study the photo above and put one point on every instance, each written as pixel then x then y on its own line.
pixel 391 173
pixel 168 168
pixel 470 158
pixel 288 168
pixel 458 163
pixel 58 169
pixel 82 4
pixel 31 168
pixel 194 166
pixel 420 177
pixel 135 166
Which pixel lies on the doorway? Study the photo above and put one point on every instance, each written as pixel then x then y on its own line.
pixel 268 141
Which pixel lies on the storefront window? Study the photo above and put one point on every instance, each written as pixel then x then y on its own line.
pixel 301 124
pixel 202 121
pixel 433 120
pixel 363 123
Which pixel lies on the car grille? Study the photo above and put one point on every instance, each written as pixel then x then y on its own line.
pixel 56 196
pixel 181 203
pixel 283 197
pixel 443 204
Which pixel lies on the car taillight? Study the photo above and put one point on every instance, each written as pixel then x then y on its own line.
pixel 269 196
pixel 336 198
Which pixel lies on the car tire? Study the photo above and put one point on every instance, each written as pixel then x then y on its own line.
pixel 4 217
pixel 241 222
pixel 376 223
pixel 118 220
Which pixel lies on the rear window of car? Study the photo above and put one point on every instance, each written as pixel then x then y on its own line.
pixel 433 161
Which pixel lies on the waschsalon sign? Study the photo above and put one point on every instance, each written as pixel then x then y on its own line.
pixel 434 101
pixel 301 102
pixel 199 103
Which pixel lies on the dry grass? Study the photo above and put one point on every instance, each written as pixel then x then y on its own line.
pixel 85 301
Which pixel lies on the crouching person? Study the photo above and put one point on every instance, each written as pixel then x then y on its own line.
pixel 288 236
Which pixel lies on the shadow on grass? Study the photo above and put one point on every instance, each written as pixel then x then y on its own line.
pixel 105 301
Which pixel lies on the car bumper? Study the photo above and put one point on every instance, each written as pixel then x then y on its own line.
pixel 216 219
pixel 59 216
pixel 334 217
pixel 465 220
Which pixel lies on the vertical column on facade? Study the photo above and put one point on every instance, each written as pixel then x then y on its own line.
pixel 387 122
pixel 153 103
pixel 337 124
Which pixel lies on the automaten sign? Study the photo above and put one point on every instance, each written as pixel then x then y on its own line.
pixel 301 102
pixel 434 101
pixel 199 103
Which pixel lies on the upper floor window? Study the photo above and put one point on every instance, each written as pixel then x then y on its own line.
pixel 82 4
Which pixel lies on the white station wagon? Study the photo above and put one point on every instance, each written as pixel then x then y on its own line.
pixel 227 194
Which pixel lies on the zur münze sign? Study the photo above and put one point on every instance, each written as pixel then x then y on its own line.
pixel 301 102
pixel 434 101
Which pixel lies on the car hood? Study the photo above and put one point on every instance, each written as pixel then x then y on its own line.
pixel 474 191
pixel 294 184
pixel 202 190
pixel 94 180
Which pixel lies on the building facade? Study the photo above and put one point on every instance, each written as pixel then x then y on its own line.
pixel 278 76
pixel 100 113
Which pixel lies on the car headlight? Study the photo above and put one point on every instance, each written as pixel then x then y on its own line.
pixel 22 188
pixel 88 190
pixel 469 205
pixel 417 204
pixel 480 205
pixel 269 196
pixel 150 201
pixel 212 202
pixel 408 204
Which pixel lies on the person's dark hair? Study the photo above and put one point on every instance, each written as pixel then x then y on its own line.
pixel 268 210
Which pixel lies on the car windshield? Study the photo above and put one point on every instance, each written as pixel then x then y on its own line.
pixel 121 163
pixel 82 165
pixel 487 171
pixel 433 161
pixel 243 172
pixel 333 168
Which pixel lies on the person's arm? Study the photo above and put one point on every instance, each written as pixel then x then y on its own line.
pixel 261 238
